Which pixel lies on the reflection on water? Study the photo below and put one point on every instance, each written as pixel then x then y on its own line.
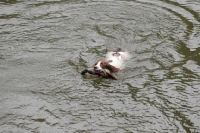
pixel 45 45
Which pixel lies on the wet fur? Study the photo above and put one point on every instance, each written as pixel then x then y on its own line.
pixel 113 63
pixel 106 65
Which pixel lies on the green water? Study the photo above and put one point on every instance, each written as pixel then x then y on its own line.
pixel 45 45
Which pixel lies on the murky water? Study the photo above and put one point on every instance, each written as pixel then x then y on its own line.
pixel 45 45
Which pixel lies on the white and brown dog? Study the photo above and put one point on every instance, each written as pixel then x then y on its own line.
pixel 113 63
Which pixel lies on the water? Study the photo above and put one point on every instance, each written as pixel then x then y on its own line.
pixel 45 45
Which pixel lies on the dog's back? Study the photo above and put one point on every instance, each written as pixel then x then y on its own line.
pixel 117 58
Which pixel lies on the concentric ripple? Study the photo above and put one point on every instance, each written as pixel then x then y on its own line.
pixel 46 44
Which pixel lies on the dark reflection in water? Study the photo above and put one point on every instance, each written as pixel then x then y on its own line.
pixel 46 44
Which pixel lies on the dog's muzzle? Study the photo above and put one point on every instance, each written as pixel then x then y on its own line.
pixel 97 71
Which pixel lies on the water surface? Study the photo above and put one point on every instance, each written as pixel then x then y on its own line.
pixel 45 45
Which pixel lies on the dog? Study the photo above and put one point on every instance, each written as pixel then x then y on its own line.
pixel 113 63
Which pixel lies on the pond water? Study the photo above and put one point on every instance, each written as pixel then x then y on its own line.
pixel 46 44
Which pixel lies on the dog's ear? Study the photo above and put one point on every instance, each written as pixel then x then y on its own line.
pixel 111 68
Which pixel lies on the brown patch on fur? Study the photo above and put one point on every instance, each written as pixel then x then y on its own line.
pixel 106 65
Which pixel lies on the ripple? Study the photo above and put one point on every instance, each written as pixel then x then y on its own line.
pixel 189 16
pixel 45 46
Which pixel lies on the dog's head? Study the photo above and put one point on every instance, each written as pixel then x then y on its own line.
pixel 101 64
